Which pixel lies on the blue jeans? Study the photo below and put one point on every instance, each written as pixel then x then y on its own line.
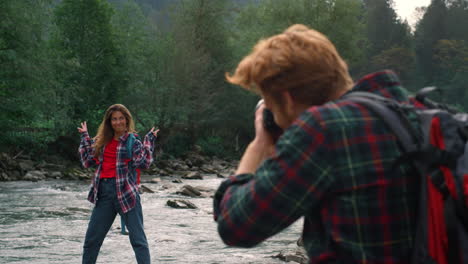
pixel 104 213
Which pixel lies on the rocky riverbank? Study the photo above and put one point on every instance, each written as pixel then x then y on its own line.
pixel 173 171
pixel 193 166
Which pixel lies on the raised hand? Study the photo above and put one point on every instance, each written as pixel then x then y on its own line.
pixel 83 128
pixel 155 132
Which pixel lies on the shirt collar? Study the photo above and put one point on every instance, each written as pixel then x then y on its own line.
pixel 124 136
pixel 385 83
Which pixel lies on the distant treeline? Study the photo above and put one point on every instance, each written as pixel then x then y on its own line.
pixel 63 62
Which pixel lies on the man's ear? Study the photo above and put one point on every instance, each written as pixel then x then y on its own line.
pixel 289 105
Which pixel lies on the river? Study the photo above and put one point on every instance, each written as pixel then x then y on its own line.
pixel 45 222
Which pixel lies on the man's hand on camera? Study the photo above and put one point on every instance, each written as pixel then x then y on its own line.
pixel 262 137
pixel 259 149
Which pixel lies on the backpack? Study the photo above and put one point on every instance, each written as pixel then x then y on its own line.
pixel 438 150
pixel 129 147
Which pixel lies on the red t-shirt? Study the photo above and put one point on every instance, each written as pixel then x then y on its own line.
pixel 110 160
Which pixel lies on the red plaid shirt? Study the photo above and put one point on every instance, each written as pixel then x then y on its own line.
pixel 125 179
pixel 332 166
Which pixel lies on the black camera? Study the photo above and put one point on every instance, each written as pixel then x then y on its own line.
pixel 269 121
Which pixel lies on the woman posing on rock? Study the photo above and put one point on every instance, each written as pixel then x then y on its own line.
pixel 116 153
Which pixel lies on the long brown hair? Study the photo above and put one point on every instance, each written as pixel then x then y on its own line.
pixel 106 132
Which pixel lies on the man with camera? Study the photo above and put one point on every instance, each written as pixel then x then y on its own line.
pixel 332 165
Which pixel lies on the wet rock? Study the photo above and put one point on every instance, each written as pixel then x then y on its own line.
pixel 180 166
pixel 188 190
pixel 145 189
pixel 189 163
pixel 208 169
pixel 177 180
pixel 196 191
pixel 165 187
pixel 167 171
pixel 300 242
pixel 4 176
pixel 61 187
pixel 194 175
pixel 203 189
pixel 77 174
pixel 156 180
pixel 55 175
pixel 34 176
pixel 181 204
pixel 26 165
pixel 51 166
pixel 14 175
pixel 196 159
pixel 297 256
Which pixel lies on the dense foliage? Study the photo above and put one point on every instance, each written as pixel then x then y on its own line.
pixel 63 62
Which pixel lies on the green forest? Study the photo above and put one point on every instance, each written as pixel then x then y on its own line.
pixel 63 62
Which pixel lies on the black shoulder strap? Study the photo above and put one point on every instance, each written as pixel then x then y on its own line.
pixel 384 108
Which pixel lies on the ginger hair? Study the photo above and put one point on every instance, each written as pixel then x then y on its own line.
pixel 301 61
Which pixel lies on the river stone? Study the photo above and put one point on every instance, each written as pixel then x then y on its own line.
pixel 34 176
pixel 168 171
pixel 4 177
pixel 181 204
pixel 156 180
pixel 14 175
pixel 297 256
pixel 179 166
pixel 26 165
pixel 55 174
pixel 145 189
pixel 51 166
pixel 188 190
pixel 194 175
pixel 177 180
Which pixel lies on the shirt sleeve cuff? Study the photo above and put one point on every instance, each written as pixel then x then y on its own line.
pixel 150 137
pixel 232 180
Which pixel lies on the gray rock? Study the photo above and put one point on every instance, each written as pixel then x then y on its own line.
pixel 193 176
pixel 51 166
pixel 167 171
pixel 181 204
pixel 55 174
pixel 297 256
pixel 77 174
pixel 177 181
pixel 156 180
pixel 14 175
pixel 188 190
pixel 26 165
pixel 4 177
pixel 34 176
pixel 145 189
